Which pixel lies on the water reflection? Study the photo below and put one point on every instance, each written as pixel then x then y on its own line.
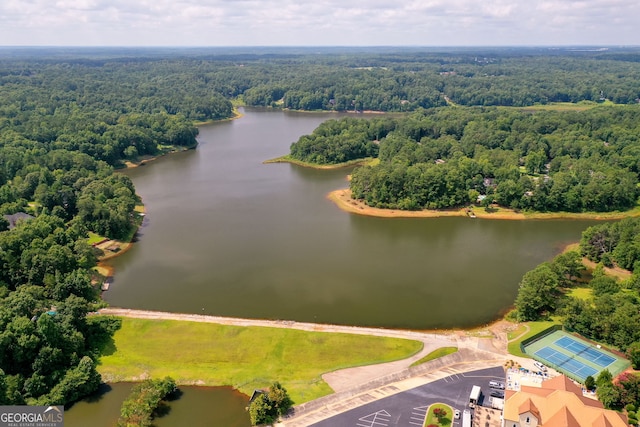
pixel 237 237
pixel 190 406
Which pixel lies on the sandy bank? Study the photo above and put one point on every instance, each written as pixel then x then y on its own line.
pixel 342 198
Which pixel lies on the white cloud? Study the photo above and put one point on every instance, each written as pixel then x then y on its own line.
pixel 318 22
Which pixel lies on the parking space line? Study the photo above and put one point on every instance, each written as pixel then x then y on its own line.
pixel 418 415
pixel 372 419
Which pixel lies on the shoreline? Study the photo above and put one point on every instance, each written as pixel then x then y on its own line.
pixel 288 159
pixel 146 159
pixel 102 265
pixel 177 149
pixel 342 199
pixel 134 313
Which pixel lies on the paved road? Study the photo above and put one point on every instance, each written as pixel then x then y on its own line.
pixel 408 408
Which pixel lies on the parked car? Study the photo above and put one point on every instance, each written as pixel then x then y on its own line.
pixel 540 366
pixel 496 384
pixel 456 414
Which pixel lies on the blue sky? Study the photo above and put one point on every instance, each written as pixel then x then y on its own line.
pixel 318 22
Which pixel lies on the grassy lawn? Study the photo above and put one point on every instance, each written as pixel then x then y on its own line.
pixel 246 358
pixel 95 238
pixel 431 418
pixel 435 354
pixel 567 106
pixel 534 328
pixel 580 293
pixel 519 330
pixel 288 159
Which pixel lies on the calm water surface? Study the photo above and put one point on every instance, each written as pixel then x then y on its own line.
pixel 228 235
pixel 195 407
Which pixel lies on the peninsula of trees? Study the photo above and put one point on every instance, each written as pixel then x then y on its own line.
pixel 450 157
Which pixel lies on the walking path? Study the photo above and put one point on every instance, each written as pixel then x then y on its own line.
pixel 360 385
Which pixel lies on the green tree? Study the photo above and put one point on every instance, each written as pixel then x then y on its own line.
pixel 4 400
pixel 604 377
pixel 604 285
pixel 261 411
pixel 145 397
pixel 80 381
pixel 538 293
pixel 267 407
pixel 279 398
pixel 633 353
pixel 440 414
pixel 568 266
pixel 589 383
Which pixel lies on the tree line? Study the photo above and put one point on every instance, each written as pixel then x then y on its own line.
pixel 200 83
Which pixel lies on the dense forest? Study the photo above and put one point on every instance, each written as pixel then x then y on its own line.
pixel 450 157
pixel 70 117
pixel 62 132
pixel 199 82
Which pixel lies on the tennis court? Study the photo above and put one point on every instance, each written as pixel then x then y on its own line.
pixel 589 353
pixel 575 357
pixel 566 362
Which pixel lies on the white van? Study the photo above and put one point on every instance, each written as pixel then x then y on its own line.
pixel 539 366
pixel 496 384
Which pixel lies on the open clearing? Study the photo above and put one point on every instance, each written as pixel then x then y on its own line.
pixel 246 358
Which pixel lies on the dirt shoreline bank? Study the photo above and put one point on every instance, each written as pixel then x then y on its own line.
pixel 342 199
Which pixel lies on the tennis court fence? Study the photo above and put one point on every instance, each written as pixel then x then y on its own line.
pixel 539 336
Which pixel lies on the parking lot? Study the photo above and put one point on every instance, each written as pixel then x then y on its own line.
pixel 409 408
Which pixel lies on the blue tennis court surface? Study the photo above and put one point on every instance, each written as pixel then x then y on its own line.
pixel 589 353
pixel 566 362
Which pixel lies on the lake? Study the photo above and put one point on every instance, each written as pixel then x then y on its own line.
pixel 228 235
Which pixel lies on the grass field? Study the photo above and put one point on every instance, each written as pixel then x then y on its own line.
pixel 288 159
pixel 567 106
pixel 581 293
pixel 242 357
pixel 435 354
pixel 516 337
pixel 94 238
